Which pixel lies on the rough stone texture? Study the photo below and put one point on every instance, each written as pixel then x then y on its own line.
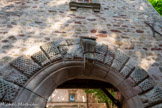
pixel 157 106
pixel 138 75
pixel 152 97
pixel 40 58
pixel 128 68
pixel 8 91
pixel 16 77
pixel 51 51
pixel 146 85
pixel 119 61
pixel 25 65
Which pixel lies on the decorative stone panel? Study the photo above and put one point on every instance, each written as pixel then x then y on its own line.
pixel 146 85
pixel 109 58
pixel 99 57
pixel 8 91
pixel 51 51
pixel 102 49
pixel 63 50
pixel 25 65
pixel 16 77
pixel 126 71
pixel 40 58
pixel 139 75
pixel 152 97
pixel 119 61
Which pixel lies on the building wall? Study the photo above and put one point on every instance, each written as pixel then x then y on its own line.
pixel 119 24
pixel 62 95
pixel 60 99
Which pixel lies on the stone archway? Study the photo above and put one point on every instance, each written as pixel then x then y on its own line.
pixel 65 59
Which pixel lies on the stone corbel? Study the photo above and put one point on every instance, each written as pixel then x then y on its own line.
pixel 88 46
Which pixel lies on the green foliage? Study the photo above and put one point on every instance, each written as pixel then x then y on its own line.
pixel 157 4
pixel 101 96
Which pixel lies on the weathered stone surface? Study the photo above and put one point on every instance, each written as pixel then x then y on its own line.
pixel 25 65
pixel 121 57
pixel 16 77
pixel 157 106
pixel 88 46
pixel 40 58
pixel 8 91
pixel 99 57
pixel 126 71
pixel 138 75
pixel 119 61
pixel 117 65
pixel 51 51
pixel 102 49
pixel 146 85
pixel 152 97
pixel 63 49
pixel 109 58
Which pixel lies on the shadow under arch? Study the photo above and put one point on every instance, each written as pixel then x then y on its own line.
pixel 44 83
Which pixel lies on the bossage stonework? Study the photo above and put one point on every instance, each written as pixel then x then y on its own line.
pixel 123 42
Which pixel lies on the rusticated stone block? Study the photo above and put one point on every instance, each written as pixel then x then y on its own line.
pixel 139 75
pixel 63 50
pixel 146 85
pixel 119 61
pixel 51 51
pixel 60 42
pixel 25 65
pixel 121 57
pixel 108 59
pixel 126 71
pixel 157 106
pixel 74 51
pixel 40 58
pixel 117 65
pixel 16 77
pixel 8 91
pixel 99 57
pixel 152 97
pixel 72 41
pixel 102 49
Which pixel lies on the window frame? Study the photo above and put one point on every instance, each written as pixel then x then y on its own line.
pixel 70 97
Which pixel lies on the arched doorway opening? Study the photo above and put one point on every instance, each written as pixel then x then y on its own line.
pixel 86 93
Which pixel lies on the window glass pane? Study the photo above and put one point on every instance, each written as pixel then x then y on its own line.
pixel 72 97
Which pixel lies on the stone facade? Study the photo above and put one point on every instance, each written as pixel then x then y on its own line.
pixel 25 27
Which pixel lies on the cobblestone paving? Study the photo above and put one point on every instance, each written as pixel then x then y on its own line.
pixel 25 25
